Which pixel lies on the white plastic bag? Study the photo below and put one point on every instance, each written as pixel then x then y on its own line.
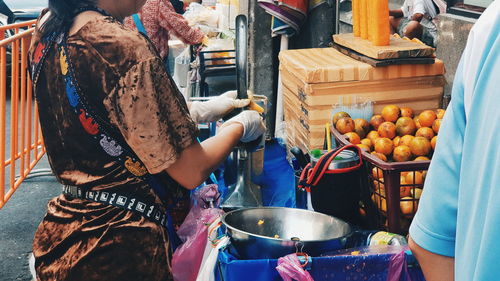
pixel 182 67
pixel 206 272
pixel 197 14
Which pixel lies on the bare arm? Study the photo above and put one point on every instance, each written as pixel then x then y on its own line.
pixel 197 161
pixel 435 267
pixel 396 13
pixel 417 17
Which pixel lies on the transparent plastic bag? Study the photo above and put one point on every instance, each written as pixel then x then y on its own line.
pixel 206 272
pixel 197 14
pixel 187 259
pixel 181 68
pixel 397 258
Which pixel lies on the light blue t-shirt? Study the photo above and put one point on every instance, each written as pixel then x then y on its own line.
pixel 459 212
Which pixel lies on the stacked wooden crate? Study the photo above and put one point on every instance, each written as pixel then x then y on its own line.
pixel 313 80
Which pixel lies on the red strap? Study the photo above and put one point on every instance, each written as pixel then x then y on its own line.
pixel 324 162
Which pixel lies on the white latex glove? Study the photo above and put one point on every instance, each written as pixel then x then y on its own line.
pixel 215 108
pixel 253 124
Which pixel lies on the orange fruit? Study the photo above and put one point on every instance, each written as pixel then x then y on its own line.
pixel 367 142
pixel 358 130
pixel 417 122
pixel 414 178
pixel 337 116
pixel 440 113
pixel 426 118
pixel 406 112
pixel 396 141
pixel 379 186
pixel 404 190
pixel 382 205
pixel 433 142
pixel 377 173
pixel 420 146
pixel 345 125
pixel 373 135
pixel 390 113
pixel 363 124
pixel 353 137
pixel 436 125
pixel 405 140
pixel 387 130
pixel 416 192
pixel 408 205
pixel 364 147
pixel 384 146
pixel 380 156
pixel 376 120
pixel 405 126
pixel 422 158
pixel 401 153
pixel 425 132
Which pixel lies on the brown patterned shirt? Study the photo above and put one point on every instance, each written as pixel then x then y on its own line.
pixel 124 81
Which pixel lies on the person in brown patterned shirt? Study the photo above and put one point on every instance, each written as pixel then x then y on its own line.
pixel 125 82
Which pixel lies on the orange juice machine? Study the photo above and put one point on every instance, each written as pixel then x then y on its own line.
pixel 247 158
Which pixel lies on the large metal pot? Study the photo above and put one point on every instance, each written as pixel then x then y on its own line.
pixel 270 232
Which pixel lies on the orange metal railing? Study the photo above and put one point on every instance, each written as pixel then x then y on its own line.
pixel 21 143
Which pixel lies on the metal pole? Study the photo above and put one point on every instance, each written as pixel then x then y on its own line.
pixel 337 16
pixel 241 56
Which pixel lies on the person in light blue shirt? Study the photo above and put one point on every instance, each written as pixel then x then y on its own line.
pixel 456 231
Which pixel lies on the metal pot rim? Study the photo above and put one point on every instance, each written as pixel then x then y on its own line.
pixel 279 239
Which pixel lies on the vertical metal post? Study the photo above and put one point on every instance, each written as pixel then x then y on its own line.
pixel 241 56
pixel 337 16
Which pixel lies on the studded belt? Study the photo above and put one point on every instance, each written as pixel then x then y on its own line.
pixel 150 211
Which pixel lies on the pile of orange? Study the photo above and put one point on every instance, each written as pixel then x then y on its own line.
pixel 396 134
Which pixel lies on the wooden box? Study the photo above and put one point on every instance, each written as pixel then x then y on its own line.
pixel 313 80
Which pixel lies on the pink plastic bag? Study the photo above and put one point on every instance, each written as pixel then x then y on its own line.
pixel 398 268
pixel 289 268
pixel 187 258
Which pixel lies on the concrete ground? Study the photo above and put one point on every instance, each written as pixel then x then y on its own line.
pixel 19 219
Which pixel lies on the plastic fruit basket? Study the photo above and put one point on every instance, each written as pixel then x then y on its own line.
pixel 395 188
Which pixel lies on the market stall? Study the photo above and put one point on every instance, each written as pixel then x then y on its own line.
pixel 362 118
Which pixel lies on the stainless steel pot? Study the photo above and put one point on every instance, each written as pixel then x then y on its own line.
pixel 273 232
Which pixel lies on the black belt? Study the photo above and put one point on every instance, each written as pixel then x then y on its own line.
pixel 150 211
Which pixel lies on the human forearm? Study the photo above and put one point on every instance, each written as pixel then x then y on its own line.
pixel 435 267
pixel 396 13
pixel 417 17
pixel 197 161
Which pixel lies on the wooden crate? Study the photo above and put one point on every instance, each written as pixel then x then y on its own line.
pixel 397 48
pixel 308 105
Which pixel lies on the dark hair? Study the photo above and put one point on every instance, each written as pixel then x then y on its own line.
pixel 62 13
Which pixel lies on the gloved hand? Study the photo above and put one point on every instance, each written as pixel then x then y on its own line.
pixel 205 41
pixel 215 108
pixel 253 124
